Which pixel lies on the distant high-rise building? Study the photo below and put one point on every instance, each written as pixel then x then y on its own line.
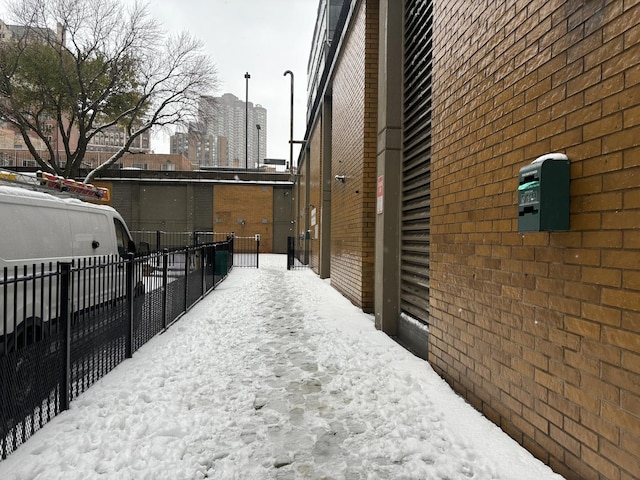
pixel 224 117
pixel 197 145
pixel 113 138
pixel 179 144
pixel 217 139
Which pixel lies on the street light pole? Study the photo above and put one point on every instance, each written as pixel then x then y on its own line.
pixel 258 128
pixel 289 72
pixel 246 122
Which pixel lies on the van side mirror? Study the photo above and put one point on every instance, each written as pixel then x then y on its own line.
pixel 131 247
pixel 144 248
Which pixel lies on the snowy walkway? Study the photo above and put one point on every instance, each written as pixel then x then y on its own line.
pixel 273 376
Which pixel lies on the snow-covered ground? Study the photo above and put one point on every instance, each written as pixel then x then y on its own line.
pixel 273 376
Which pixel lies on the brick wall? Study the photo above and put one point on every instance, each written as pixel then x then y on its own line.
pixel 301 199
pixel 246 210
pixel 354 156
pixel 540 331
pixel 315 191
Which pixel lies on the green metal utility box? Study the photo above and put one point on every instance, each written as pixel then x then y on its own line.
pixel 543 194
pixel 222 263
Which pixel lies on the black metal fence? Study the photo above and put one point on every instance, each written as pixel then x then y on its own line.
pixel 158 239
pixel 246 251
pixel 66 325
pixel 297 252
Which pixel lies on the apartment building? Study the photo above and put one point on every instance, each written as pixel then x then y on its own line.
pixel 229 133
pixel 113 138
pixel 110 139
pixel 201 148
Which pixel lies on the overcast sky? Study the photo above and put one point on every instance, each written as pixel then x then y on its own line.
pixel 262 37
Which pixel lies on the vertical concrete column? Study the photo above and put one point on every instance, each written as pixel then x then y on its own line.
pixel 325 212
pixel 389 168
pixel 307 200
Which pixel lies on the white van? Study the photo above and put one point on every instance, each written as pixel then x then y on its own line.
pixel 39 228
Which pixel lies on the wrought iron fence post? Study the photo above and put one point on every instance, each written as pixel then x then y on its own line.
pixel 165 278
pixel 213 263
pixel 130 293
pixel 290 252
pixel 186 279
pixel 203 268
pixel 258 251
pixel 230 246
pixel 65 318
pixel 5 338
pixel 157 249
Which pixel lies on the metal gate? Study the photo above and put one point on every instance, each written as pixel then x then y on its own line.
pixel 246 251
pixel 416 169
pixel 297 253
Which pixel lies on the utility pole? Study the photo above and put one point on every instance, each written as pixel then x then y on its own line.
pixel 246 122
pixel 289 72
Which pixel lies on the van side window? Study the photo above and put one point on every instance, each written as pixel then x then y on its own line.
pixel 122 238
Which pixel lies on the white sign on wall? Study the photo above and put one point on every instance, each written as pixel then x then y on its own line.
pixel 380 194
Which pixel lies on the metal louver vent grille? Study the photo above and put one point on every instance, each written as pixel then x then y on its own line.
pixel 416 195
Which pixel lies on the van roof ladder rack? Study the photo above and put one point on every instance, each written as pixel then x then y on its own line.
pixel 48 182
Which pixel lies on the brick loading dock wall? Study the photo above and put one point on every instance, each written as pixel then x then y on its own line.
pixel 540 331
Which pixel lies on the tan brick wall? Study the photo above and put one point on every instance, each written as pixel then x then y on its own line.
pixel 315 195
pixel 541 331
pixel 301 199
pixel 354 156
pixel 243 209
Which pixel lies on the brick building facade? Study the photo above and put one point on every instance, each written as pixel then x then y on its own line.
pixel 342 144
pixel 539 330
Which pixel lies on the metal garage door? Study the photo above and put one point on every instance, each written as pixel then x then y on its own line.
pixel 416 180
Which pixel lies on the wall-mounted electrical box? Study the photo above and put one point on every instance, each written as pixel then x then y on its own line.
pixel 543 194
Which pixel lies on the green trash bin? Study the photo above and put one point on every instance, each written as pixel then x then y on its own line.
pixel 222 263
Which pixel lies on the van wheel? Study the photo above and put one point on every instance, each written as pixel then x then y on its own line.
pixel 20 397
pixel 30 368
pixel 29 332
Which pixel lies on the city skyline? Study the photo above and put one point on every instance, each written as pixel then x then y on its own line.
pixel 271 38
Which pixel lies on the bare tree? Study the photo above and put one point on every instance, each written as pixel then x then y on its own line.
pixel 80 67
